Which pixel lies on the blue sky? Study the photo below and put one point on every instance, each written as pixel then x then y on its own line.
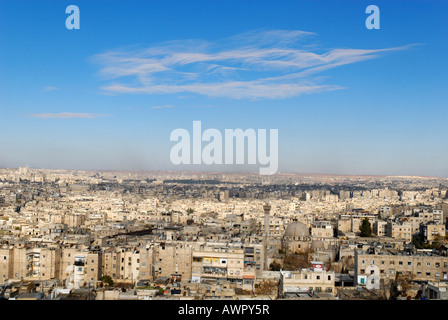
pixel 345 99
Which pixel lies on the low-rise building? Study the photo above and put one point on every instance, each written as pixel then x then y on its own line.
pixel 423 266
pixel 315 279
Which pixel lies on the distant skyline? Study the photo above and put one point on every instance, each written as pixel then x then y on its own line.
pixel 345 100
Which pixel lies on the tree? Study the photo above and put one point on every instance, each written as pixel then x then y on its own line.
pixel 274 266
pixel 268 286
pixel 405 281
pixel 401 285
pixel 365 228
pixel 107 280
pixel 394 292
pixel 297 261
pixel 419 242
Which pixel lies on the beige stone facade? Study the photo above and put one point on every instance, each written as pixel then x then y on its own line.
pixel 421 266
pixel 307 280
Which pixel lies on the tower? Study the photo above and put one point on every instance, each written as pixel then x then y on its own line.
pixel 267 209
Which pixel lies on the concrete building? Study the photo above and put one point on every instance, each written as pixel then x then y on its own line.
pixel 315 279
pixel 380 228
pixel 433 231
pixel 322 229
pixel 399 231
pixel 422 266
pixel 435 290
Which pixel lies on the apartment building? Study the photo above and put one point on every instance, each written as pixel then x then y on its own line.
pixel 173 258
pixel 315 279
pixel 380 228
pixel 421 265
pixel 322 229
pixel 433 231
pixel 235 263
pixel 399 231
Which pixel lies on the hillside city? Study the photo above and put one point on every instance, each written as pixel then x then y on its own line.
pixel 125 235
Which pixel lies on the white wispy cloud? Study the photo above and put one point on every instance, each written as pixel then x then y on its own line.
pixel 67 115
pixel 261 64
pixel 167 106
pixel 50 88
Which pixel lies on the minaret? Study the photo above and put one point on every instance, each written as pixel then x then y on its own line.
pixel 267 209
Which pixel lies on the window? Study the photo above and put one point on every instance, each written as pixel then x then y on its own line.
pixel 428 264
pixel 329 278
pixel 437 264
pixel 400 263
pixel 318 277
pixel 409 263
pixel 428 274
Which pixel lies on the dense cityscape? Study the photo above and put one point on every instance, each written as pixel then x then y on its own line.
pixel 123 235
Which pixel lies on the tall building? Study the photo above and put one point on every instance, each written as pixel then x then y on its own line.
pixel 267 209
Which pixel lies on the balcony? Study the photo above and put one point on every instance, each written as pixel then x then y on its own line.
pixel 214 271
